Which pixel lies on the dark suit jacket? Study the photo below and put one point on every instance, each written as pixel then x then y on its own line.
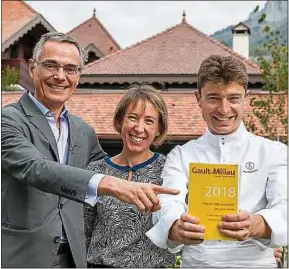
pixel 37 191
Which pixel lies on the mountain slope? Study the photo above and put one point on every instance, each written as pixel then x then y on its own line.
pixel 276 19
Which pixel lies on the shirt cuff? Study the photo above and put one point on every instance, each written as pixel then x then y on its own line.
pixel 277 225
pixel 91 197
pixel 159 233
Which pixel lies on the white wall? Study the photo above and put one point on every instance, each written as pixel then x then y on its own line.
pixel 241 44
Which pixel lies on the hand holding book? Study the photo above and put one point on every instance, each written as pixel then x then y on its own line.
pixel 236 225
pixel 187 230
pixel 244 225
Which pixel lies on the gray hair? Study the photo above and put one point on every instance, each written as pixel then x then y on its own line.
pixel 59 37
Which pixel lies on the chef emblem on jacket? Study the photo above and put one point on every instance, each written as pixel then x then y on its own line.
pixel 249 167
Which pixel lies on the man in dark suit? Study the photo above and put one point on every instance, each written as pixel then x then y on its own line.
pixel 45 151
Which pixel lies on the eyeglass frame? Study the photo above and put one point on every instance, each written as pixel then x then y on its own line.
pixel 40 63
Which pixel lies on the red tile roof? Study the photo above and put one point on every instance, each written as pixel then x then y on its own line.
pixel 185 119
pixel 17 19
pixel 93 32
pixel 15 14
pixel 177 50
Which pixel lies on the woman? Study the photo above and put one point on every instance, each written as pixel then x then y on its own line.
pixel 115 231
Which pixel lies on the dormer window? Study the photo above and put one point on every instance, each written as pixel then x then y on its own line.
pixel 92 57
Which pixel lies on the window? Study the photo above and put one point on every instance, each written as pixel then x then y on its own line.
pixel 92 57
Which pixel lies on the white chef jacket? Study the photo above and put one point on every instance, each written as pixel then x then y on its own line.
pixel 262 190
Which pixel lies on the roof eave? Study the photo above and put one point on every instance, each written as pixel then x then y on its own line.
pixel 130 78
pixel 150 78
pixel 38 19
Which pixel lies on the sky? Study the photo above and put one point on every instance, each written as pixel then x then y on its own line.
pixel 133 21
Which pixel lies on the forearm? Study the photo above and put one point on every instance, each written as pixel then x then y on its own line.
pixel 259 227
pixel 45 175
pixel 159 234
pixel 173 232
pixel 107 186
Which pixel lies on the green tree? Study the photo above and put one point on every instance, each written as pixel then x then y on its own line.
pixel 178 261
pixel 271 109
pixel 9 76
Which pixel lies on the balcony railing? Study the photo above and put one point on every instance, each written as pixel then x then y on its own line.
pixel 24 79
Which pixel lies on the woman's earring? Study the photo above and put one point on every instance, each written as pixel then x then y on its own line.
pixel 157 134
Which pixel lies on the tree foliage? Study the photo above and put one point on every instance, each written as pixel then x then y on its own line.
pixel 9 76
pixel 178 261
pixel 270 110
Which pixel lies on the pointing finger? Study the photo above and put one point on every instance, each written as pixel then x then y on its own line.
pixel 164 190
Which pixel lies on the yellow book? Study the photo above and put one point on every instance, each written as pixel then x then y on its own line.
pixel 213 192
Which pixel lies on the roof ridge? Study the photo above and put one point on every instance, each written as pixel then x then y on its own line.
pixel 102 27
pixel 133 45
pixel 78 26
pixel 29 7
pixel 106 31
pixel 240 23
pixel 46 21
pixel 249 62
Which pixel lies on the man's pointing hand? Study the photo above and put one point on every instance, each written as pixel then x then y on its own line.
pixel 143 195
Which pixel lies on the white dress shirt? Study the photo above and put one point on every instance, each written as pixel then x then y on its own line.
pixel 263 191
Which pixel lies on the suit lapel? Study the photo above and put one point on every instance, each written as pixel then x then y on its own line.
pixel 74 137
pixel 39 121
pixel 74 133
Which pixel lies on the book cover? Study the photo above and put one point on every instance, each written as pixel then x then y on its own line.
pixel 213 192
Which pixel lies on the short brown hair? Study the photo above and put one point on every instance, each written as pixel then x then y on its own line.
pixel 222 69
pixel 145 92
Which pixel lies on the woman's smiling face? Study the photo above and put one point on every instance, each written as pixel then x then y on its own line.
pixel 140 126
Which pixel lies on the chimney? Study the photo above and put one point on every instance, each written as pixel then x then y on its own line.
pixel 241 34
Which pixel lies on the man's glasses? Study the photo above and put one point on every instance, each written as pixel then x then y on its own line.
pixel 53 68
